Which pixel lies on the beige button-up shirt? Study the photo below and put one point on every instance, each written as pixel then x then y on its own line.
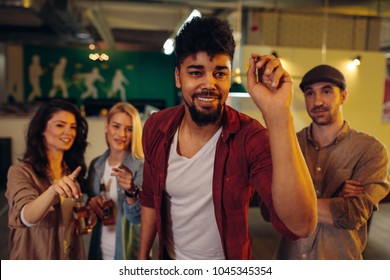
pixel 352 155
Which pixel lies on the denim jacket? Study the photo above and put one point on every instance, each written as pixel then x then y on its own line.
pixel 128 217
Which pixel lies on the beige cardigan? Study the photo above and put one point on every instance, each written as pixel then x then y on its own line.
pixel 45 240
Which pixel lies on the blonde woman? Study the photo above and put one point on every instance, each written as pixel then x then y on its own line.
pixel 118 174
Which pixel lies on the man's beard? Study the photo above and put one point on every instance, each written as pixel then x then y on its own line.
pixel 326 119
pixel 203 118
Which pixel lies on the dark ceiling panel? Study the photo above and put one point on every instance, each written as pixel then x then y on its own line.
pixel 145 24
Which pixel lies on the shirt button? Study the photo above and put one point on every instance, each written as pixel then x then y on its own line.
pixel 317 148
pixel 304 256
pixel 318 192
pixel 318 169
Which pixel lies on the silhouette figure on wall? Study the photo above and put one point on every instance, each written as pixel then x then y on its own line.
pixel 117 85
pixel 58 79
pixel 35 72
pixel 89 80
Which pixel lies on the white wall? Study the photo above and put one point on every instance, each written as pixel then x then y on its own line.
pixel 15 127
pixel 365 86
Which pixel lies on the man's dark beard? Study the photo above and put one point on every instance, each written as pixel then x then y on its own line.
pixel 328 120
pixel 203 119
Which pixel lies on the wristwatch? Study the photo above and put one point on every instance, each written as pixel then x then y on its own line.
pixel 133 192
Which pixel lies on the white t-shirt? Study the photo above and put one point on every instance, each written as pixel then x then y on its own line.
pixel 107 242
pixel 189 193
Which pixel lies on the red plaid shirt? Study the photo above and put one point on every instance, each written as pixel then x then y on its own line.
pixel 242 165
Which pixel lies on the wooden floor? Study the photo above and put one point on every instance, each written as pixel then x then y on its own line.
pixel 264 237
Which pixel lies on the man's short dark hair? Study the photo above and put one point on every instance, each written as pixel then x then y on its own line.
pixel 207 34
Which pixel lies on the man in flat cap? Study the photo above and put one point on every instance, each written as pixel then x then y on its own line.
pixel 348 168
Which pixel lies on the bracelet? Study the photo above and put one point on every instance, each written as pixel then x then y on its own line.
pixel 133 193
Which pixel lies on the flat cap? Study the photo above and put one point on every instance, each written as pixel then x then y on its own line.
pixel 323 73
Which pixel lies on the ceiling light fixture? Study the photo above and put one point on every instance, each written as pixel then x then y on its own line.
pixel 97 56
pixel 169 45
pixel 357 60
pixel 354 62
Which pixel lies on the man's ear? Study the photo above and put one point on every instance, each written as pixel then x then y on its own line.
pixel 177 78
pixel 343 95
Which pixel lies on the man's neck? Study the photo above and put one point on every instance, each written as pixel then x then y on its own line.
pixel 326 134
pixel 192 137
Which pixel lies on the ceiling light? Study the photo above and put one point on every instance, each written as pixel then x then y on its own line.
pixel 104 57
pixel 357 60
pixel 93 56
pixel 169 46
pixel 354 62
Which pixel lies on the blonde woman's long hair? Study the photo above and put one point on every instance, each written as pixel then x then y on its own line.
pixel 131 111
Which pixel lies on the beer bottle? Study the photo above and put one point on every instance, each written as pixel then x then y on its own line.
pixel 108 206
pixel 81 216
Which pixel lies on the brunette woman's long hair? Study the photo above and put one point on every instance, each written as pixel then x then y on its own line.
pixel 36 154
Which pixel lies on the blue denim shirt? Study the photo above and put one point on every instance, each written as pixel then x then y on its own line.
pixel 131 212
